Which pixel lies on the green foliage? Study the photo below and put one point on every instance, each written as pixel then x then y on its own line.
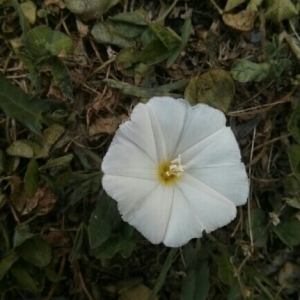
pixel 31 178
pixel 103 220
pixel 244 70
pixel 196 283
pixel 20 106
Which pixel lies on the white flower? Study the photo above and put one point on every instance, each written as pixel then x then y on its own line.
pixel 175 170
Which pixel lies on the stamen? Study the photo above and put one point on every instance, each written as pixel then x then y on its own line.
pixel 176 168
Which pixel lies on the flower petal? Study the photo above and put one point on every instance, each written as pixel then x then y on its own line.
pixel 125 158
pixel 170 116
pixel 151 215
pixel 196 207
pixel 201 122
pixel 139 131
pixel 216 162
pixel 218 149
pixel 128 192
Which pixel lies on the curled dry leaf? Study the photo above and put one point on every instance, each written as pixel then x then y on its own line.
pixel 242 21
pixel 105 125
pixel 42 203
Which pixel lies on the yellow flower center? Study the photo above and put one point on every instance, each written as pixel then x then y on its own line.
pixel 170 172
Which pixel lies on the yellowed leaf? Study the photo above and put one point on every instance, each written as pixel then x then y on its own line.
pixel 242 21
pixel 215 88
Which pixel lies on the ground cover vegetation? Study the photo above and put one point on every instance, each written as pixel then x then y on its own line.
pixel 71 73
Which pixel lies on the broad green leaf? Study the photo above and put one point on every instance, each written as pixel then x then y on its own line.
pixel 292 190
pixel 113 245
pixel 25 148
pixel 185 34
pixel 230 4
pixel 164 271
pixel 43 42
pixel 22 20
pixel 145 92
pixel 35 251
pixel 28 9
pixel 51 135
pixel 167 36
pixel 62 77
pixel 226 270
pixel 288 230
pixel 55 162
pixel 294 158
pixel 244 70
pixel 105 33
pixel 196 283
pixel 80 185
pixel 127 29
pixel 90 9
pixel 20 106
pixel 154 52
pixel 24 279
pixel 254 5
pixel 258 223
pixel 294 123
pixel 22 234
pixel 103 219
pixel 31 178
pixel 215 88
pixel 137 17
pixel 279 10
pixel 123 244
pixel 53 276
pixel 7 261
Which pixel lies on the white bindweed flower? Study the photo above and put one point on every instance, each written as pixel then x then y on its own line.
pixel 175 170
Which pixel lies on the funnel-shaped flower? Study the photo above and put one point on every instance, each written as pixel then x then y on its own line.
pixel 175 170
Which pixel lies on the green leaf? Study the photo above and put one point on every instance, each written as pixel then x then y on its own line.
pixel 185 34
pixel 31 178
pixel 22 233
pixel 292 190
pixel 105 33
pixel 55 162
pixel 154 52
pixel 80 184
pixel 259 225
pixel 103 219
pixel 43 42
pixel 288 231
pixel 294 123
pixel 25 281
pixel 230 4
pixel 243 70
pixel 20 106
pixel 167 36
pixel 62 77
pixel 25 148
pixel 22 20
pixel 7 261
pixel 215 88
pixel 35 251
pixel 136 18
pixel 90 9
pixel 196 283
pixel 164 271
pixel 294 158
pixel 279 10
pixel 113 245
pixel 145 92
pixel 226 269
